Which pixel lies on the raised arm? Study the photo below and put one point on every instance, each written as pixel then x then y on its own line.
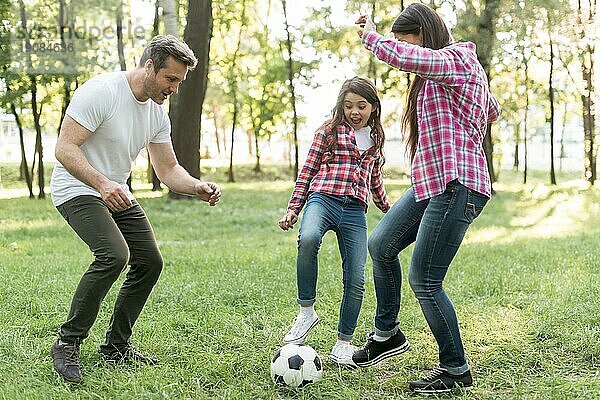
pixel 449 65
pixel 177 178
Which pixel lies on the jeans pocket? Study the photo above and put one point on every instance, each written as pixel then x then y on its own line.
pixel 475 204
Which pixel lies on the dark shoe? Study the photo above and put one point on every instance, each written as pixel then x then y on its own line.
pixel 438 380
pixel 373 351
pixel 66 360
pixel 128 354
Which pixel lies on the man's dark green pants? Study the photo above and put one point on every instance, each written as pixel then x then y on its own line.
pixel 116 239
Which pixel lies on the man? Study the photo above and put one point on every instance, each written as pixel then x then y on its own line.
pixel 110 119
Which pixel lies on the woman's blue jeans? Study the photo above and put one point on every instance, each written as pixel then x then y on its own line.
pixel 437 227
pixel 346 217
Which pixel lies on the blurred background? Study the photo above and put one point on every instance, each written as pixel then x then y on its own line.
pixel 269 72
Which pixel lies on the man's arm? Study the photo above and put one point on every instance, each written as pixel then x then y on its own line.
pixel 177 178
pixel 69 154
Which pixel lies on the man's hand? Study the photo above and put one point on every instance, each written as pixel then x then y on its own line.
pixel 288 220
pixel 366 25
pixel 115 197
pixel 208 191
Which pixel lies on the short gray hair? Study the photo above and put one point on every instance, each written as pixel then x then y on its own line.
pixel 161 47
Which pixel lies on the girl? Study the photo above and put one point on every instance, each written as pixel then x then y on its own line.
pixel 448 111
pixel 343 165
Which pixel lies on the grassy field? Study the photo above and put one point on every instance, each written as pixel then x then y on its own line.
pixel 526 285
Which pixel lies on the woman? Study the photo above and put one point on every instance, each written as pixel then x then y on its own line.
pixel 448 109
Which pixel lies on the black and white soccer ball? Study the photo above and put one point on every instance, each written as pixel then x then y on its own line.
pixel 296 365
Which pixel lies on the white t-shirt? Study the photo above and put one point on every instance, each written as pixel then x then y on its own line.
pixel 363 139
pixel 122 127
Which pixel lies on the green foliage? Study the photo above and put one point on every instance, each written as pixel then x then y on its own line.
pixel 525 284
pixel 39 51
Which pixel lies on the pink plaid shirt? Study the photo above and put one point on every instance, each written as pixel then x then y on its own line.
pixel 454 108
pixel 345 173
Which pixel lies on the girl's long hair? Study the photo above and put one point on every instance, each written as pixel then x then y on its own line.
pixel 364 88
pixel 419 18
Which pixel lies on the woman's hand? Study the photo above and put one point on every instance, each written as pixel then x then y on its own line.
pixel 366 25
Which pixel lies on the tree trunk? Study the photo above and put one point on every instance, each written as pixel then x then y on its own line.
pixel 290 67
pixel 589 122
pixel 257 165
pixel 186 106
pixel 233 84
pixel 517 144
pixel 586 56
pixel 525 120
pixel 562 139
pixel 39 148
pixel 34 109
pixel 121 54
pixel 24 168
pixel 119 18
pixel 217 137
pixel 485 37
pixel 551 99
pixel 62 24
pixel 151 176
pixel 230 177
pixel 170 16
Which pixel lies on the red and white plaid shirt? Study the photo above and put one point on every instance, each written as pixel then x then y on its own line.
pixel 345 173
pixel 454 108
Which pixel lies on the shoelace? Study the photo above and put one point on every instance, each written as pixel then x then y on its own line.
pixel 299 323
pixel 434 374
pixel 365 346
pixel 343 349
pixel 71 354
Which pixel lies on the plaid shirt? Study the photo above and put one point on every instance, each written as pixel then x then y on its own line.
pixel 344 173
pixel 454 108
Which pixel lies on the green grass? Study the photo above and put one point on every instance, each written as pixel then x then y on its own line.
pixel 526 285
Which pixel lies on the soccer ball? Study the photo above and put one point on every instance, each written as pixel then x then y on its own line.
pixel 296 365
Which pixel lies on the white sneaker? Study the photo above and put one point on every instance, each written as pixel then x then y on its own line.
pixel 303 323
pixel 342 354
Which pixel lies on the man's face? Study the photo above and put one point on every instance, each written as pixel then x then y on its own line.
pixel 160 85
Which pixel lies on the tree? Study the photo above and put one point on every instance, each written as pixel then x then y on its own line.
pixel 551 101
pixel 186 106
pixel 479 26
pixel 290 66
pixel 232 79
pixel 39 149
pixel 586 17
pixel 171 28
pixel 169 17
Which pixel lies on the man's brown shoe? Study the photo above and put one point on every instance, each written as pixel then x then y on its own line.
pixel 66 360
pixel 127 354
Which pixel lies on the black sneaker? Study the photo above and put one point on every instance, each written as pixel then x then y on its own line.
pixel 439 380
pixel 127 354
pixel 66 360
pixel 373 351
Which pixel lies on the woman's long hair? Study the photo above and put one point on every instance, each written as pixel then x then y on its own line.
pixel 364 88
pixel 419 18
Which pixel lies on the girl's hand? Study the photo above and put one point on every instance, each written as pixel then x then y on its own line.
pixel 288 220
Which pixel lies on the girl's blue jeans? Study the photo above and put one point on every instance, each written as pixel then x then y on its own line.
pixel 346 217
pixel 437 227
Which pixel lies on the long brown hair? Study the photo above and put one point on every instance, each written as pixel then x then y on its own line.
pixel 419 18
pixel 364 88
